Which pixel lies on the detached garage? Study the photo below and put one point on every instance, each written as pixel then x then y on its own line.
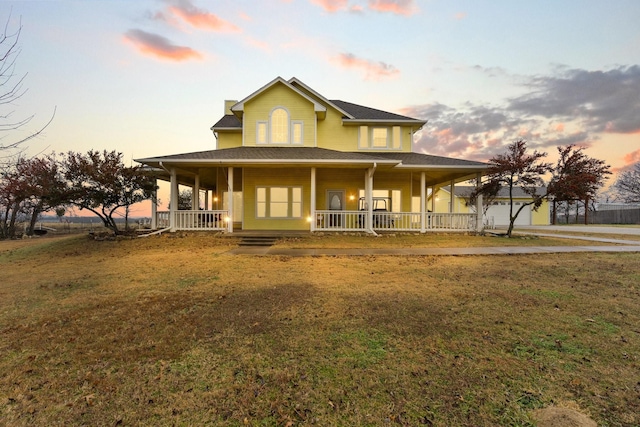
pixel 497 214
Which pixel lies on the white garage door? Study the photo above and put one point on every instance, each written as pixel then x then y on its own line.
pixel 500 213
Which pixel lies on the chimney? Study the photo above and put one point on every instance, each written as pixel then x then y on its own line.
pixel 227 106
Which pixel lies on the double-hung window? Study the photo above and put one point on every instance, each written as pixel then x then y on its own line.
pixel 380 137
pixel 279 202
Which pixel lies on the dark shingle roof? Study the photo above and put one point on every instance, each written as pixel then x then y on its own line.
pixel 465 190
pixel 310 155
pixel 270 153
pixel 228 121
pixel 419 159
pixel 360 112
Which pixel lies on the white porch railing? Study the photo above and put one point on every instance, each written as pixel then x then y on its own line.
pixel 340 220
pixel 194 220
pixel 393 221
pixel 328 220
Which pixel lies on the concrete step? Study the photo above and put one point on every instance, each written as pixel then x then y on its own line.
pixel 263 241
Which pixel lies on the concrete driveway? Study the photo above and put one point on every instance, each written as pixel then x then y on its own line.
pixel 600 229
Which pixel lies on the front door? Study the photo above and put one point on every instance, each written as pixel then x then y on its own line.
pixel 335 202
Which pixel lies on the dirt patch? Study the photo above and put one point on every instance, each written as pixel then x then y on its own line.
pixel 562 417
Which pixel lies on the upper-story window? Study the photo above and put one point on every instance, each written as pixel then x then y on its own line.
pixel 380 138
pixel 279 126
pixel 279 129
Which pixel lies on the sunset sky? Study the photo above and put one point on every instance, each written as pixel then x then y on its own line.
pixel 150 77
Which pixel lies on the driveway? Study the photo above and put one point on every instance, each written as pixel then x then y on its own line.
pixel 600 229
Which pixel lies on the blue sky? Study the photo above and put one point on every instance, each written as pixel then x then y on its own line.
pixel 150 77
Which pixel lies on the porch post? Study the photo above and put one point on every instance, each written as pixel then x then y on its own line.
pixel 154 207
pixel 195 194
pixel 369 196
pixel 230 200
pixel 206 200
pixel 433 198
pixel 312 204
pixel 479 213
pixel 452 206
pixel 173 203
pixel 423 203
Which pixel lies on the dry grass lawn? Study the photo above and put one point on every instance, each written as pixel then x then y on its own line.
pixel 173 330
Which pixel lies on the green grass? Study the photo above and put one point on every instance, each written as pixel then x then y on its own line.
pixel 175 331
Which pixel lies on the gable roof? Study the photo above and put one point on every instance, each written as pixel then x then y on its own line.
pixel 238 108
pixel 352 113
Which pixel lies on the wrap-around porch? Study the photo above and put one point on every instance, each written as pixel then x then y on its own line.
pixel 313 210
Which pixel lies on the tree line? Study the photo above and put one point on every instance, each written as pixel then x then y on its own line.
pixel 575 177
pixel 96 181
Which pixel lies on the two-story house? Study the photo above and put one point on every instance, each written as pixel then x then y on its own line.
pixel 287 158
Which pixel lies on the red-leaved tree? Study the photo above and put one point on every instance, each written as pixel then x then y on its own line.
pixel 100 182
pixel 576 177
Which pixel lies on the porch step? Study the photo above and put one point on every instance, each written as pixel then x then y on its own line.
pixel 263 241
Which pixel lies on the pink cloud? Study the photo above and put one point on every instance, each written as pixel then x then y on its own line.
pixel 632 158
pixel 159 47
pixel 373 70
pixel 331 5
pixel 399 7
pixel 200 18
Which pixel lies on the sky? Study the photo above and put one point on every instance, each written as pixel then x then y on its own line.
pixel 149 77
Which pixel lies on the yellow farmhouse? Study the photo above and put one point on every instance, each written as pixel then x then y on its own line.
pixel 287 158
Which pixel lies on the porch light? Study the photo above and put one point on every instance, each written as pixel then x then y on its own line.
pixel 215 199
pixel 227 219
pixel 352 197
pixel 309 219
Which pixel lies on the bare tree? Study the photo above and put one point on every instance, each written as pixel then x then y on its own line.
pixel 11 90
pixel 628 184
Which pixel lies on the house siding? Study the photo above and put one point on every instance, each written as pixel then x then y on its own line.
pixel 229 140
pixel 333 135
pixel 542 215
pixel 260 108
pixel 349 180
pixel 275 177
pixel 395 181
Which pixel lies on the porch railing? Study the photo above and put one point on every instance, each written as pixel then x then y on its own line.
pixel 393 221
pixel 194 220
pixel 329 220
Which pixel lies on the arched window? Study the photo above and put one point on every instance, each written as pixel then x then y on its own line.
pixel 279 126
